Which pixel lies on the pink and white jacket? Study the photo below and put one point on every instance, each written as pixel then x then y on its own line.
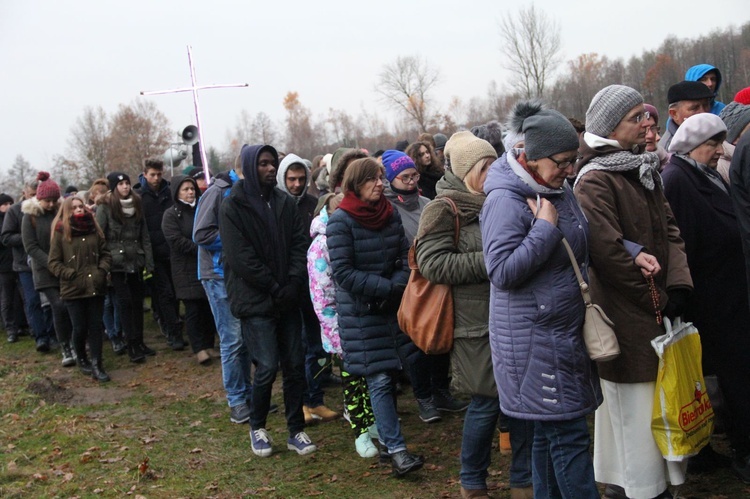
pixel 322 288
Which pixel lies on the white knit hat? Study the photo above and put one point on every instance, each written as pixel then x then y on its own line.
pixel 694 131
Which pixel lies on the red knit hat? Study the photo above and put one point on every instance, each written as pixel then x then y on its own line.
pixel 743 96
pixel 47 188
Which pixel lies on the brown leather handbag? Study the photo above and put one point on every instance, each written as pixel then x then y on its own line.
pixel 426 311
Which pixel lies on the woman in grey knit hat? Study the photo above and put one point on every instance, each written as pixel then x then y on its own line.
pixel 638 273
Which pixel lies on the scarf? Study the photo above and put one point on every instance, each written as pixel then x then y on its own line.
pixel 370 216
pixel 127 206
pixel 526 176
pixel 599 153
pixel 192 205
pixel 82 225
pixel 469 205
pixel 709 173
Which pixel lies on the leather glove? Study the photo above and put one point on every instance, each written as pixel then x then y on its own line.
pixel 287 297
pixel 677 303
pixel 393 301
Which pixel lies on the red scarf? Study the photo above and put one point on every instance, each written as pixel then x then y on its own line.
pixel 370 216
pixel 537 178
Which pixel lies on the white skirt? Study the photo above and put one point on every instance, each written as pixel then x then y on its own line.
pixel 625 452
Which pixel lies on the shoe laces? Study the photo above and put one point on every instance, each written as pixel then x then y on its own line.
pixel 427 404
pixel 303 438
pixel 262 434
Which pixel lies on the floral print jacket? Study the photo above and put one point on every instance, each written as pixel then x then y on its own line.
pixel 322 288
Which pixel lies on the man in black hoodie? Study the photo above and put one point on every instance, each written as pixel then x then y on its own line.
pixel 265 267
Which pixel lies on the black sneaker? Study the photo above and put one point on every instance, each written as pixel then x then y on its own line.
pixel 68 358
pixel 150 352
pixel 427 411
pixel 42 345
pixel 239 414
pixel 12 336
pixel 444 401
pixel 402 463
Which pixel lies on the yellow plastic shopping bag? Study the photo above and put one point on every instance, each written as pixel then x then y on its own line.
pixel 682 418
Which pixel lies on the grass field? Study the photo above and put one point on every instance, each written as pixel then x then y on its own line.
pixel 162 429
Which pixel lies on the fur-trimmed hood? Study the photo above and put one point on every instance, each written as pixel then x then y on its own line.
pixel 337 173
pixel 31 206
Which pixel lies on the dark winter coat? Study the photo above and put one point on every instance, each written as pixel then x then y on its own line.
pixel 81 265
pixel 462 267
pixel 739 175
pixel 6 252
pixel 128 242
pixel 618 208
pixel 367 265
pixel 206 227
pixel 36 229
pixel 542 369
pixel 155 203
pixel 11 237
pixel 252 274
pixel 718 306
pixel 177 226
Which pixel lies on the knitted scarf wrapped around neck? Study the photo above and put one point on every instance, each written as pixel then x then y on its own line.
pixel 127 206
pixel 370 216
pixel 82 225
pixel 603 154
pixel 437 216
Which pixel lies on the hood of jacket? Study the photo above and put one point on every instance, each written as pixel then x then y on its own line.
pixel 177 181
pixel 249 157
pixel 31 206
pixel 289 160
pixel 696 73
pixel 319 224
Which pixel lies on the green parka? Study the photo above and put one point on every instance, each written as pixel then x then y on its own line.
pixel 128 242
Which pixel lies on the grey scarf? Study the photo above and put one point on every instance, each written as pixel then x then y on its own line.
pixel 622 161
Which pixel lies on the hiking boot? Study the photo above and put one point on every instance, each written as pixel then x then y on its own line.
pixel 42 344
pixel 428 413
pixel 365 447
pixel 504 440
pixel 97 371
pixel 310 418
pixel 522 493
pixel 444 401
pixel 402 463
pixel 150 352
pixel 261 442
pixel 12 336
pixel 68 359
pixel 239 414
pixel 118 345
pixel 135 353
pixel 176 342
pixel 301 444
pixel 473 493
pixel 323 413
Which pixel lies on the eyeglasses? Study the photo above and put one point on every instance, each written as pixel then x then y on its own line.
pixel 381 178
pixel 562 164
pixel 640 117
pixel 408 179
pixel 656 130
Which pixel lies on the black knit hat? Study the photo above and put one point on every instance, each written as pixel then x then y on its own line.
pixel 115 178
pixel 688 90
pixel 4 199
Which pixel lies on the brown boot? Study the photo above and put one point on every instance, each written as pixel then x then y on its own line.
pixel 504 441
pixel 474 493
pixel 524 493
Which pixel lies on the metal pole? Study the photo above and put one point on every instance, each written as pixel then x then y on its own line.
pixel 201 144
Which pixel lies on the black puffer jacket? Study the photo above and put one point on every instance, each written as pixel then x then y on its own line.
pixel 128 242
pixel 36 229
pixel 155 204
pixel 177 226
pixel 367 265
pixel 11 236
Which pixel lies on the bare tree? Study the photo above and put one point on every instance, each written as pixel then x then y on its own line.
pixel 17 176
pixel 405 84
pixel 531 43
pixel 88 145
pixel 262 129
pixel 137 131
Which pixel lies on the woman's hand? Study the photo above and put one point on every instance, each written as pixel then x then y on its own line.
pixel 648 263
pixel 546 211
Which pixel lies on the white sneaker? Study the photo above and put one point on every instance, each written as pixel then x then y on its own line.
pixel 365 447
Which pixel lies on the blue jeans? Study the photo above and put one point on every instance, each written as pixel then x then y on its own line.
pixel 521 441
pixel 39 319
pixel 561 460
pixel 274 341
pixel 476 444
pixel 313 351
pixel 111 315
pixel 383 400
pixel 235 359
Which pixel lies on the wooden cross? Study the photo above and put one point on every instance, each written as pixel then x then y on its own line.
pixel 194 89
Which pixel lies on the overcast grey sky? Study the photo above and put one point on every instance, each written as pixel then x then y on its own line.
pixel 58 57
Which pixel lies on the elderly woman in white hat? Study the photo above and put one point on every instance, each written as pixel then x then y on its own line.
pixel 718 307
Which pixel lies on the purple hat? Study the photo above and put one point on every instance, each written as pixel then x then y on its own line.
pixel 653 112
pixel 395 162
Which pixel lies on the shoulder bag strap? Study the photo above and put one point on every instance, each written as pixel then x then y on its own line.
pixel 577 269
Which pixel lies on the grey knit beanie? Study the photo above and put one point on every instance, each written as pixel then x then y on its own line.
pixel 736 117
pixel 546 132
pixel 608 107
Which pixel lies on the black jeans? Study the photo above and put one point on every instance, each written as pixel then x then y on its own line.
pixel 8 296
pixel 429 373
pixel 86 316
pixel 129 293
pixel 163 300
pixel 200 325
pixel 60 316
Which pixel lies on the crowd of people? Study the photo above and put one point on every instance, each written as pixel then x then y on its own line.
pixel 301 265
